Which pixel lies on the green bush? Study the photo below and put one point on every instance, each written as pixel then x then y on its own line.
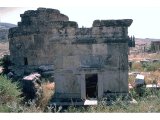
pixel 9 91
pixel 148 66
pixel 151 66
pixel 11 100
pixel 9 95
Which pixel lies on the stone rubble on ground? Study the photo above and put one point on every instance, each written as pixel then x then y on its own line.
pixel 33 76
pixel 133 101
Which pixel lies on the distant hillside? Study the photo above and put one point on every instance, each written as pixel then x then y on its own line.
pixel 4 27
pixel 146 41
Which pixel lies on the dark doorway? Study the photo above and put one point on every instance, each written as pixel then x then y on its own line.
pixel 25 61
pixel 91 85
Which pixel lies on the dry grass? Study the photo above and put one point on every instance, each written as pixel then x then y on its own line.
pixel 153 77
pixel 131 79
pixel 150 77
pixel 136 66
pixel 150 71
pixel 142 56
pixel 136 57
pixel 4 48
pixel 47 94
pixel 154 56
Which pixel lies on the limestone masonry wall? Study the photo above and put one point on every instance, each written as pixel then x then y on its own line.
pixel 47 37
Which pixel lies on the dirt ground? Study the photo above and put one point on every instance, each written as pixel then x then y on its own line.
pixel 4 48
pixel 142 56
pixel 150 76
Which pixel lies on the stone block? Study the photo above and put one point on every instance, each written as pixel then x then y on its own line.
pixel 108 23
pixel 45 68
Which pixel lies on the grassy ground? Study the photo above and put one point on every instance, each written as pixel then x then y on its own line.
pixel 145 104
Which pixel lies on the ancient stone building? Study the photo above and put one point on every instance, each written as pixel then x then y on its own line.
pixel 86 62
pixel 155 46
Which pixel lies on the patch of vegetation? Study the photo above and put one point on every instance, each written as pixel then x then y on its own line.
pixel 131 79
pixel 153 66
pixel 46 96
pixel 11 99
pixel 155 56
pixel 148 103
pixel 136 66
pixel 9 91
pixel 9 95
pixel 147 66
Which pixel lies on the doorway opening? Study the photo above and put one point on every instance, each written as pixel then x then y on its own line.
pixel 91 85
pixel 25 61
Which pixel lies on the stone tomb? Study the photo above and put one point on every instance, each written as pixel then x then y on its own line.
pixel 87 62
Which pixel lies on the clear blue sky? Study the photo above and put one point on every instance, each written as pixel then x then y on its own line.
pixel 145 13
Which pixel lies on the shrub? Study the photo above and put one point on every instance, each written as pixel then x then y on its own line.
pixel 11 100
pixel 9 91
pixel 151 66
pixel 9 95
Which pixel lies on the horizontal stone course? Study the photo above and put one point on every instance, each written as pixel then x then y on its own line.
pixel 107 23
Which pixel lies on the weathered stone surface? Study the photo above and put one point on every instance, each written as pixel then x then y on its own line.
pixel 47 73
pixel 44 68
pixel 108 23
pixel 10 75
pixel 41 14
pixel 47 40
